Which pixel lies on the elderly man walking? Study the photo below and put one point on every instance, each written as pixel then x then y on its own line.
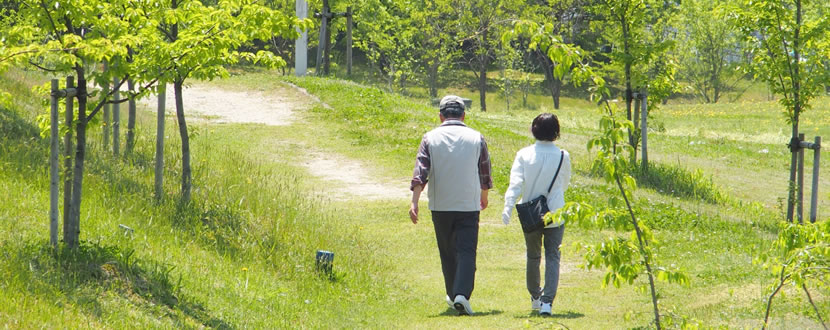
pixel 453 158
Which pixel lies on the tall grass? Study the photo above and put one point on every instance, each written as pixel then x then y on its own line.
pixel 240 255
pixel 678 181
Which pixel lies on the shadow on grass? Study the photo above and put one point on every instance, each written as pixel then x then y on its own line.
pixel 83 274
pixel 21 145
pixel 453 312
pixel 560 315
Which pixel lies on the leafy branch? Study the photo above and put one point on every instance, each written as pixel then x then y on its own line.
pixel 800 256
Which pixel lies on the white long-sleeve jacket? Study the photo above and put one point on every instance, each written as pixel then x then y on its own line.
pixel 532 171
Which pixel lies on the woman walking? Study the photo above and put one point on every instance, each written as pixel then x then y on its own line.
pixel 533 171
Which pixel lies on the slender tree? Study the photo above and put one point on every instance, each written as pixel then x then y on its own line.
pixel 436 47
pixel 71 37
pixel 709 49
pixel 636 30
pixel 197 41
pixel 787 41
pixel 569 21
pixel 481 22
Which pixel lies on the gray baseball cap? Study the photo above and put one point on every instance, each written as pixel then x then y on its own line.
pixel 452 103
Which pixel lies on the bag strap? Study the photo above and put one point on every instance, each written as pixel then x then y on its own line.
pixel 562 159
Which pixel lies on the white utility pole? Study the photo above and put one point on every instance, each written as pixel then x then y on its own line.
pixel 301 45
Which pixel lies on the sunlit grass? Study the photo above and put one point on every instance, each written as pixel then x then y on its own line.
pixel 242 255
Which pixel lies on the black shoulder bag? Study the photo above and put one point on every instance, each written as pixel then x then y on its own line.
pixel 531 213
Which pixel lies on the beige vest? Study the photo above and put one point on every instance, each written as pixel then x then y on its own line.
pixel 454 183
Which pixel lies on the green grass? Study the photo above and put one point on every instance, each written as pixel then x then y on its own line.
pixel 715 243
pixel 242 254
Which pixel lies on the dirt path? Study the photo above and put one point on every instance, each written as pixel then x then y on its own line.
pixel 279 108
pixel 223 106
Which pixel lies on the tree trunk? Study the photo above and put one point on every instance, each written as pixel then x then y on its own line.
pixel 432 78
pixel 128 149
pixel 72 229
pixel 632 140
pixel 482 87
pixel 159 170
pixel 555 91
pixel 327 42
pixel 716 87
pixel 554 85
pixel 482 76
pixel 507 87
pixel 186 176
pixel 796 112
pixel 643 251
pixel 402 85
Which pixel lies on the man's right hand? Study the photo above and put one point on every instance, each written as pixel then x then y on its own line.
pixel 413 206
pixel 413 213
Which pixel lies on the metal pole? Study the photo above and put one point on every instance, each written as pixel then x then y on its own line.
pixel 160 143
pixel 53 168
pixel 67 153
pixel 116 118
pixel 349 41
pixel 800 186
pixel 301 45
pixel 814 197
pixel 644 127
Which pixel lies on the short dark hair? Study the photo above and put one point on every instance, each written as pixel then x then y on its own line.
pixel 545 127
pixel 452 112
pixel 452 106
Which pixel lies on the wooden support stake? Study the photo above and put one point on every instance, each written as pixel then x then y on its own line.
pixel 800 185
pixel 67 153
pixel 106 126
pixel 53 167
pixel 814 197
pixel 349 23
pixel 131 113
pixel 159 170
pixel 116 119
pixel 644 127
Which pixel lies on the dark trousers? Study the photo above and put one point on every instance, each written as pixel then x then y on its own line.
pixel 457 236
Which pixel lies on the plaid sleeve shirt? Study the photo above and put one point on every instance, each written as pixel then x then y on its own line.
pixel 423 164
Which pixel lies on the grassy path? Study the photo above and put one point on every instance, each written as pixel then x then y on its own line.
pixel 383 142
pixel 416 298
pixel 242 255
